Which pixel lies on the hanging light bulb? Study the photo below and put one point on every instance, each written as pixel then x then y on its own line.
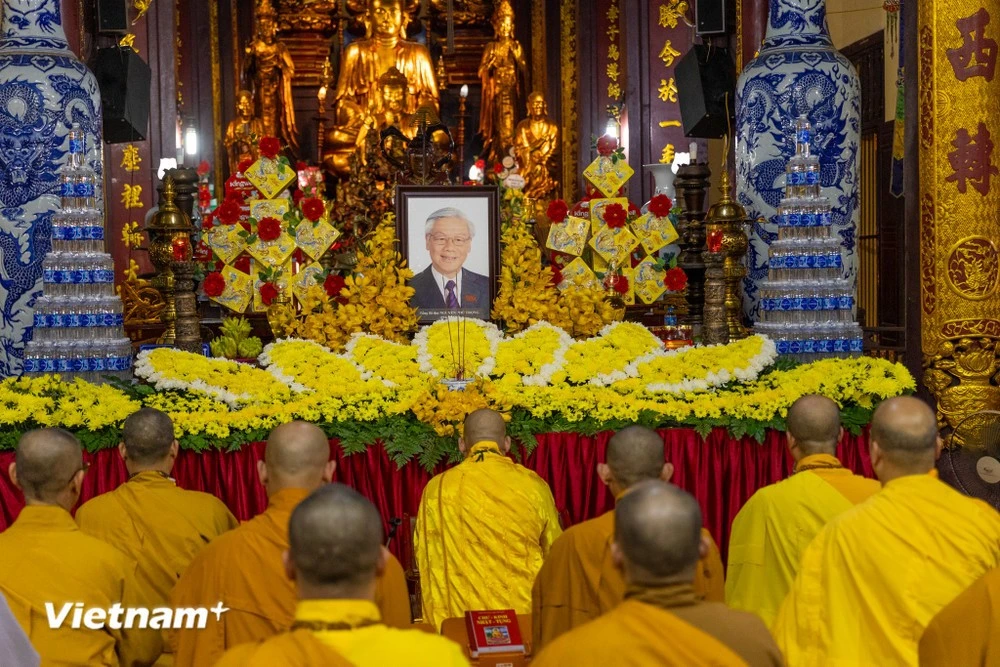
pixel 190 140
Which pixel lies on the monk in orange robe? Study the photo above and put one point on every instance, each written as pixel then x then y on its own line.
pixel 657 544
pixel 334 557
pixel 483 527
pixel 776 525
pixel 46 559
pixel 243 567
pixel 579 580
pixel 967 631
pixel 148 518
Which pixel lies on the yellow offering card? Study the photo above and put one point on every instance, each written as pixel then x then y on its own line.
pixel 315 240
pixel 569 237
pixel 597 207
pixel 236 295
pixel 648 281
pixel 653 232
pixel 283 286
pixel 270 176
pixel 577 273
pixel 268 208
pixel 306 278
pixel 614 245
pixel 608 176
pixel 226 242
pixel 273 253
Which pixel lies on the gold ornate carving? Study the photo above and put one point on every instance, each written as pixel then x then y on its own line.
pixel 467 12
pixel 570 72
pixel 539 47
pixel 306 15
pixel 972 268
pixel 213 36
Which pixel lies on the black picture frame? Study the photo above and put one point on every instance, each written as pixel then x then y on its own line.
pixel 483 253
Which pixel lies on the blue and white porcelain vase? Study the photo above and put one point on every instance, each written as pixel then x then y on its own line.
pixel 44 91
pixel 798 72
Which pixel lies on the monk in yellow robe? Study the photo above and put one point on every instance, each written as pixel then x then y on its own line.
pixel 483 528
pixel 779 521
pixel 657 544
pixel 46 560
pixel 579 580
pixel 875 576
pixel 334 558
pixel 967 631
pixel 148 518
pixel 243 567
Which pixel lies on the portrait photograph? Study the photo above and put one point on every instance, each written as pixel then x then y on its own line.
pixel 450 239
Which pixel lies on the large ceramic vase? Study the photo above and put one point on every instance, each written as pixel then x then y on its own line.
pixel 798 73
pixel 44 90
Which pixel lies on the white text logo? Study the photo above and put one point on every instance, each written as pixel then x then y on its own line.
pixel 138 618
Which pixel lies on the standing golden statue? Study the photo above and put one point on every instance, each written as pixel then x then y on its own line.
pixel 243 133
pixel 502 71
pixel 270 67
pixel 363 63
pixel 535 141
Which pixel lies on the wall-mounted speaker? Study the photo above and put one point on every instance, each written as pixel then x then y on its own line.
pixel 124 79
pixel 112 17
pixel 710 17
pixel 706 86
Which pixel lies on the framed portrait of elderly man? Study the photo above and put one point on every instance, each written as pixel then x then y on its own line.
pixel 450 239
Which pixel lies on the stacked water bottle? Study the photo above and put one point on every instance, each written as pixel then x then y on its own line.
pixel 806 304
pixel 79 325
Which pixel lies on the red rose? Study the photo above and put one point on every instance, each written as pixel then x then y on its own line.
pixel 301 166
pixel 242 263
pixel 497 167
pixel 676 279
pixel 313 208
pixel 333 285
pixel 621 285
pixel 230 211
pixel 557 211
pixel 269 147
pixel 214 284
pixel 660 206
pixel 268 293
pixel 607 144
pixel 203 168
pixel 268 229
pixel 297 197
pixel 614 215
pixel 480 164
pixel 244 165
pixel 208 221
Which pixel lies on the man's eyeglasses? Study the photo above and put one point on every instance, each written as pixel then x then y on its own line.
pixel 441 241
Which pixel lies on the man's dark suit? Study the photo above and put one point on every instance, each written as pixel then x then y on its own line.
pixel 474 299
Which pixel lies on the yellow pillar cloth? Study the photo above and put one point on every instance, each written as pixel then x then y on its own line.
pixel 158 525
pixel 875 576
pixel 967 631
pixel 482 531
pixel 776 525
pixel 641 632
pixel 243 569
pixel 345 632
pixel 579 581
pixel 44 557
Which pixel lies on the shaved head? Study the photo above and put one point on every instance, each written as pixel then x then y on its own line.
pixel 635 454
pixel 296 455
pixel 905 430
pixel 46 462
pixel 814 424
pixel 148 435
pixel 335 538
pixel 658 532
pixel 484 425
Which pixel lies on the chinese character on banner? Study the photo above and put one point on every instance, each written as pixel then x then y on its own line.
pixel 978 54
pixel 132 196
pixel 667 157
pixel 972 160
pixel 130 158
pixel 671 12
pixel 668 90
pixel 670 123
pixel 669 54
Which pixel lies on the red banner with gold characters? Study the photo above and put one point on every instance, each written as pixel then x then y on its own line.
pixel 669 39
pixel 959 203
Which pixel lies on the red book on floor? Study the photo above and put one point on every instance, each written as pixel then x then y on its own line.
pixel 494 631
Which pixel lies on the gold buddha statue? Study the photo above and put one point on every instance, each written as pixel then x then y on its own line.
pixel 393 97
pixel 502 71
pixel 271 69
pixel 357 98
pixel 535 141
pixel 243 133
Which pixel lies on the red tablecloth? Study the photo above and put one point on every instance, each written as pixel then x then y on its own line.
pixel 722 472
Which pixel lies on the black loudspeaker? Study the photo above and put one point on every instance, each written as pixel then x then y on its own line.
pixel 123 78
pixel 710 17
pixel 112 17
pixel 706 86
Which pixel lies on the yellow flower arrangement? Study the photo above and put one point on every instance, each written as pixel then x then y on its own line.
pixel 304 365
pixel 603 359
pixel 386 360
pixel 457 347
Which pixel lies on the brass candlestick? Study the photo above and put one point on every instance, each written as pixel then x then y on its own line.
pixel 169 240
pixel 715 330
pixel 729 217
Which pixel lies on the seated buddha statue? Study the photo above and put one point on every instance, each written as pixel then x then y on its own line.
pixel 535 141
